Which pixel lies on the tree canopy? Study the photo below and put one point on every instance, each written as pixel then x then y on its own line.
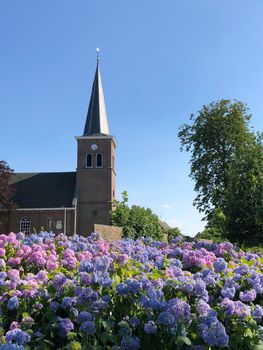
pixel 6 190
pixel 226 166
pixel 136 221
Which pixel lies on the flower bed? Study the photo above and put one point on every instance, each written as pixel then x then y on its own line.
pixel 87 293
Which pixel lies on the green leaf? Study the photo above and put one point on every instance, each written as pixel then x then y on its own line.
pixel 183 340
pixel 248 333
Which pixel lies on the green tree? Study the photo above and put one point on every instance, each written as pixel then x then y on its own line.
pixel 173 233
pixel 6 190
pixel 224 149
pixel 136 221
pixel 244 197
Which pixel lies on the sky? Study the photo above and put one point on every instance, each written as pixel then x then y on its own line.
pixel 160 62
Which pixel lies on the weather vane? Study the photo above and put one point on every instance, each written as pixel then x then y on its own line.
pixel 98 54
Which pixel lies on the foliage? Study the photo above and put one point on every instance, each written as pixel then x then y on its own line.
pixel 173 233
pixel 244 197
pixel 86 293
pixel 6 190
pixel 135 221
pixel 227 167
pixel 210 233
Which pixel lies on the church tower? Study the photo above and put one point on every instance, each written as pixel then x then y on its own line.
pixel 95 175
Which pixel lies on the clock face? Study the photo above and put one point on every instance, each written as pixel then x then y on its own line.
pixel 94 147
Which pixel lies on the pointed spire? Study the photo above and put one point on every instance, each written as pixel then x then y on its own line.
pixel 97 121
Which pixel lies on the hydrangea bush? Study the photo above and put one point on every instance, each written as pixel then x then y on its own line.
pixel 59 292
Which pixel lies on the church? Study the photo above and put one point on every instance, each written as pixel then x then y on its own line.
pixel 70 202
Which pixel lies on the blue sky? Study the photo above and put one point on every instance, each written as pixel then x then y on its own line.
pixel 160 62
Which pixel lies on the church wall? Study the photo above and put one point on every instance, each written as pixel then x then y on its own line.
pixel 47 220
pixel 92 213
pixel 96 185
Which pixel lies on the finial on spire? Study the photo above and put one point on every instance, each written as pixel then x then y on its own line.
pixel 98 54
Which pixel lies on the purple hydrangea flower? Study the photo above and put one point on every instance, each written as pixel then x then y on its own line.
pixel 59 280
pixel 248 295
pixel 65 326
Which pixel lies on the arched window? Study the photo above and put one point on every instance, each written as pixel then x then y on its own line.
pixel 25 224
pixel 89 161
pixel 99 160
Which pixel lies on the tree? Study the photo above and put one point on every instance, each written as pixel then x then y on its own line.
pixel 6 190
pixel 244 197
pixel 135 221
pixel 174 232
pixel 223 150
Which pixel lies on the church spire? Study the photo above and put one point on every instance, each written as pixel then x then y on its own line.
pixel 97 121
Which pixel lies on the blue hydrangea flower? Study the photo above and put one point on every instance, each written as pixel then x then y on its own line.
pixel 214 334
pixel 122 288
pixel 228 292
pixel 11 347
pixel 54 305
pixel 18 336
pixel 88 295
pixel 200 289
pixel 150 327
pixel 13 303
pixel 165 319
pixel 257 313
pixel 220 265
pixel 86 266
pixel 134 322
pixel 179 309
pixel 84 316
pixel 101 263
pixel 67 302
pixel 88 327
pixel 130 343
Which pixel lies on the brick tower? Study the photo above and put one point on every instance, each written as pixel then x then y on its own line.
pixel 95 175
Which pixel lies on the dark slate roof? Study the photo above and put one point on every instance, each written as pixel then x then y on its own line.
pixel 44 190
pixel 96 121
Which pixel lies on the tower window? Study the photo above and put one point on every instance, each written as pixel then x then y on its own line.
pixel 25 224
pixel 99 160
pixel 89 161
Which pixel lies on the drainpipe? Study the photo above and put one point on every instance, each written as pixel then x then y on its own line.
pixel 75 218
pixel 65 221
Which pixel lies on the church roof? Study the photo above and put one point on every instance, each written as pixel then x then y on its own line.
pixel 44 190
pixel 96 121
